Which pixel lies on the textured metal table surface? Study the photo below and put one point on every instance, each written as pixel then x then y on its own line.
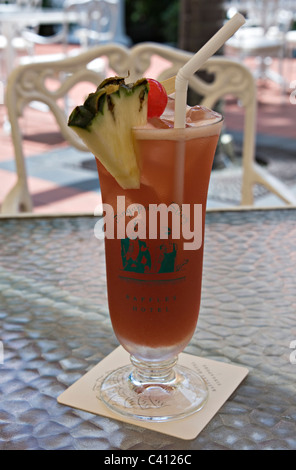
pixel 55 327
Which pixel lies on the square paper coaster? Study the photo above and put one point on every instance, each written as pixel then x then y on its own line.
pixel 222 379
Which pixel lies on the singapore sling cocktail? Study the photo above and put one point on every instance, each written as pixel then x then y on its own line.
pixel 154 182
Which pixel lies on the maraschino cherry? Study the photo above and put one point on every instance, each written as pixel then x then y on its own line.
pixel 157 98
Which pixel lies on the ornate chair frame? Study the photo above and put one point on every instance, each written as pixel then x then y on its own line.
pixel 27 83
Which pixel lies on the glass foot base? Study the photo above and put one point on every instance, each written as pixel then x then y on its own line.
pixel 182 393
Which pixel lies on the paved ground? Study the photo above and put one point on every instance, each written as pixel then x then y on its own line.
pixel 63 180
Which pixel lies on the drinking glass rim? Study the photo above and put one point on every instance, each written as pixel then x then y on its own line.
pixel 172 133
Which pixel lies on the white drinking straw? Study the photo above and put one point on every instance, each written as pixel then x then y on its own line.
pixel 194 64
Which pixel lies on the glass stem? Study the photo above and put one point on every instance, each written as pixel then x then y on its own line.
pixel 149 372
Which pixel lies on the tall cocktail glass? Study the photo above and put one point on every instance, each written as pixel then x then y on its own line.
pixel 154 243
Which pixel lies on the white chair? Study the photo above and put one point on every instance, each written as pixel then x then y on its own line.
pixel 230 78
pixel 30 83
pixel 263 37
pixel 24 39
pixel 27 83
pixel 20 43
pixel 98 22
pixel 96 25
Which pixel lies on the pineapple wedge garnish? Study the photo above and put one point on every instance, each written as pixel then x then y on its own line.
pixel 105 121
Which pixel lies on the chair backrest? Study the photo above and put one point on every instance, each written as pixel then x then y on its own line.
pixel 31 32
pixel 28 83
pixel 228 77
pixel 31 82
pixel 98 20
